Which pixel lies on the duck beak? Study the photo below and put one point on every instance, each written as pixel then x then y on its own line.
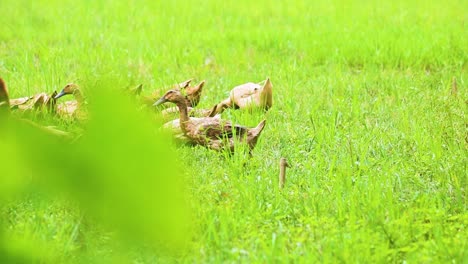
pixel 160 101
pixel 62 93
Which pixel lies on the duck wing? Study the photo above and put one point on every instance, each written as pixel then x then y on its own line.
pixel 214 128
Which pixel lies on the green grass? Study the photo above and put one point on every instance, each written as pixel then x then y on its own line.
pixel 363 111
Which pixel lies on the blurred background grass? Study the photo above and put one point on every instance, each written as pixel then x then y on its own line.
pixel 363 110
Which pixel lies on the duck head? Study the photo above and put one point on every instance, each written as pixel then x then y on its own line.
pixel 173 96
pixel 70 88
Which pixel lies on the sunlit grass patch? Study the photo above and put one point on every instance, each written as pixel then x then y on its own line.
pixel 364 109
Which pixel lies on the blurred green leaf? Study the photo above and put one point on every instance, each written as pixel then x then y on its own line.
pixel 122 170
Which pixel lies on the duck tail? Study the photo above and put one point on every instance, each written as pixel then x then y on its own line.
pixel 4 98
pixel 267 94
pixel 213 111
pixel 137 90
pixel 201 84
pixel 254 135
pixel 183 85
pixel 196 90
pixel 256 131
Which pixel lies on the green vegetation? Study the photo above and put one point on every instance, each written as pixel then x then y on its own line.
pixel 364 110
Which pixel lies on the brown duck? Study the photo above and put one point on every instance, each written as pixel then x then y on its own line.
pixel 248 96
pixel 213 133
pixel 5 112
pixel 70 109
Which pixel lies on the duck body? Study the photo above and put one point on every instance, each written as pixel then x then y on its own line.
pixel 248 96
pixel 68 109
pixel 218 134
pixel 173 126
pixel 252 94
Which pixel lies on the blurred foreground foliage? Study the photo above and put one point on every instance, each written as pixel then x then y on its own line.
pixel 121 172
pixel 365 111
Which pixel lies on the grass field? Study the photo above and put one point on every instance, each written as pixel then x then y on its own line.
pixel 364 110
